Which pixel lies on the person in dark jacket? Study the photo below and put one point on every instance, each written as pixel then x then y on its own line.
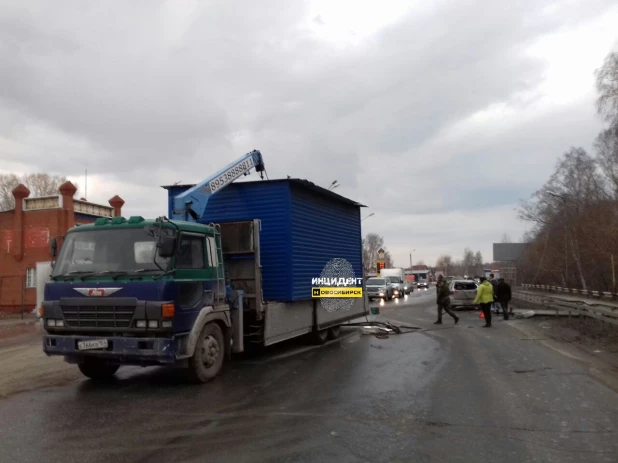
pixel 443 300
pixel 503 296
pixel 494 283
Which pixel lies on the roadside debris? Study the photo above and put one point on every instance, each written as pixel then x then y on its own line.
pixel 526 314
pixel 382 329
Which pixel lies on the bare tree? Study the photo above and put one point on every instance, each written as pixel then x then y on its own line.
pixel 505 238
pixel 606 145
pixel 8 182
pixel 478 263
pixel 468 261
pixel 371 244
pixel 607 87
pixel 570 212
pixel 445 263
pixel 388 260
pixel 39 184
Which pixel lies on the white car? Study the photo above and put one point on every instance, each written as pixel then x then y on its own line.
pixel 463 293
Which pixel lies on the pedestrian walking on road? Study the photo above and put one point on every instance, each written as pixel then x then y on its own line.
pixel 443 300
pixel 503 296
pixel 485 298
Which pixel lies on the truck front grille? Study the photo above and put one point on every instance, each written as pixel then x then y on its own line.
pixel 115 316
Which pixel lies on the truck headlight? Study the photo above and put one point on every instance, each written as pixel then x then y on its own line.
pixel 59 322
pixel 166 324
pixel 153 324
pixel 141 324
pixel 51 322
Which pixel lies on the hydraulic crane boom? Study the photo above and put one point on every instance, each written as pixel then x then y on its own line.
pixel 191 204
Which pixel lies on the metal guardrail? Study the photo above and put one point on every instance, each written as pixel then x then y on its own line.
pixel 597 310
pixel 580 292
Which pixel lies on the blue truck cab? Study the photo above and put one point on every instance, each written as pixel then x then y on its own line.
pixel 139 292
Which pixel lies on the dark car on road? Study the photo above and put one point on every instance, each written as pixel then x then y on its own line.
pixel 397 285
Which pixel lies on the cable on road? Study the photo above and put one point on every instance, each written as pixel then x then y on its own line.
pixel 386 329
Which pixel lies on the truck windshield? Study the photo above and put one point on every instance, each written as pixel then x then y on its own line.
pixel 375 282
pixel 108 251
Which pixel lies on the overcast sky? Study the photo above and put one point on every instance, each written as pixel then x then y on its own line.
pixel 439 116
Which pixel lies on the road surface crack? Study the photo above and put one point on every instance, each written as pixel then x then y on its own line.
pixel 532 370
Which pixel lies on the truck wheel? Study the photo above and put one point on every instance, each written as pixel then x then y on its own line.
pixel 319 337
pixel 207 360
pixel 96 369
pixel 333 332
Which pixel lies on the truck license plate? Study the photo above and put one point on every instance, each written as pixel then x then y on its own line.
pixel 96 344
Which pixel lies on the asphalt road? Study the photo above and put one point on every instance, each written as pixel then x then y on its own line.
pixel 444 394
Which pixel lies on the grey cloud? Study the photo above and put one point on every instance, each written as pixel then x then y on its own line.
pixel 173 91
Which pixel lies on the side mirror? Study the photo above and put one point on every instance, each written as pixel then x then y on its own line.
pixel 53 247
pixel 167 247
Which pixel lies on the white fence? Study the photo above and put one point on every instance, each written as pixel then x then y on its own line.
pixel 587 308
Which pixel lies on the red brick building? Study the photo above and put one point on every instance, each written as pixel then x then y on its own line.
pixel 24 238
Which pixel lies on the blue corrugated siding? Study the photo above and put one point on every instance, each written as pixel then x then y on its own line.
pixel 172 192
pixel 301 231
pixel 268 202
pixel 322 230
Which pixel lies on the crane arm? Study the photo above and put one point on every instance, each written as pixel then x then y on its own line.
pixel 190 205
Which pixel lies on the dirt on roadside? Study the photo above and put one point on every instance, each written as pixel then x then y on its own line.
pixel 25 367
pixel 591 336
